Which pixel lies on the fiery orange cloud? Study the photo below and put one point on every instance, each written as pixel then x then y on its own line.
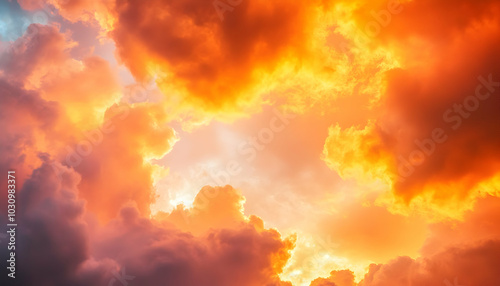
pixel 385 174
pixel 360 236
pixel 40 50
pixel 456 253
pixel 211 63
pixel 89 11
pixel 435 140
pixel 212 207
pixel 472 265
pixel 40 60
pixel 83 93
pixel 245 253
pixel 208 66
pixel 25 118
pixel 128 137
pixel 337 278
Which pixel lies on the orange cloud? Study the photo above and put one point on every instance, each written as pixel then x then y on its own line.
pixel 85 92
pixel 210 63
pixel 479 224
pixel 471 265
pixel 455 253
pixel 428 134
pixel 212 207
pixel 86 132
pixel 83 128
pixel 40 60
pixel 371 233
pixel 26 121
pixel 240 255
pixel 147 250
pixel 40 50
pixel 89 11
pixel 434 143
pixel 116 158
pixel 337 278
pixel 295 53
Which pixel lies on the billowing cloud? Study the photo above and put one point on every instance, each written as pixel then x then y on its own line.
pixel 224 256
pixel 29 58
pixel 210 62
pixel 41 60
pixel 56 225
pixel 25 121
pixel 91 134
pixel 401 97
pixel 473 265
pixel 455 253
pixel 435 142
pixel 219 58
pixel 212 207
pixel 88 11
pixel 106 172
pixel 337 278
pixel 116 157
pixel 359 235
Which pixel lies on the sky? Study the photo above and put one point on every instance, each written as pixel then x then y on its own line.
pixel 250 143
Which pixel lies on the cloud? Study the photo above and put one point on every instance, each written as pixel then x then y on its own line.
pixel 83 127
pixel 212 207
pixel 434 142
pixel 479 224
pixel 28 59
pixel 368 233
pixel 85 90
pixel 55 226
pixel 468 265
pixel 259 53
pixel 337 278
pixel 454 253
pixel 299 55
pixel 26 120
pixel 52 237
pixel 211 63
pixel 88 161
pixel 115 159
pixel 40 60
pixel 88 11
pixel 241 255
